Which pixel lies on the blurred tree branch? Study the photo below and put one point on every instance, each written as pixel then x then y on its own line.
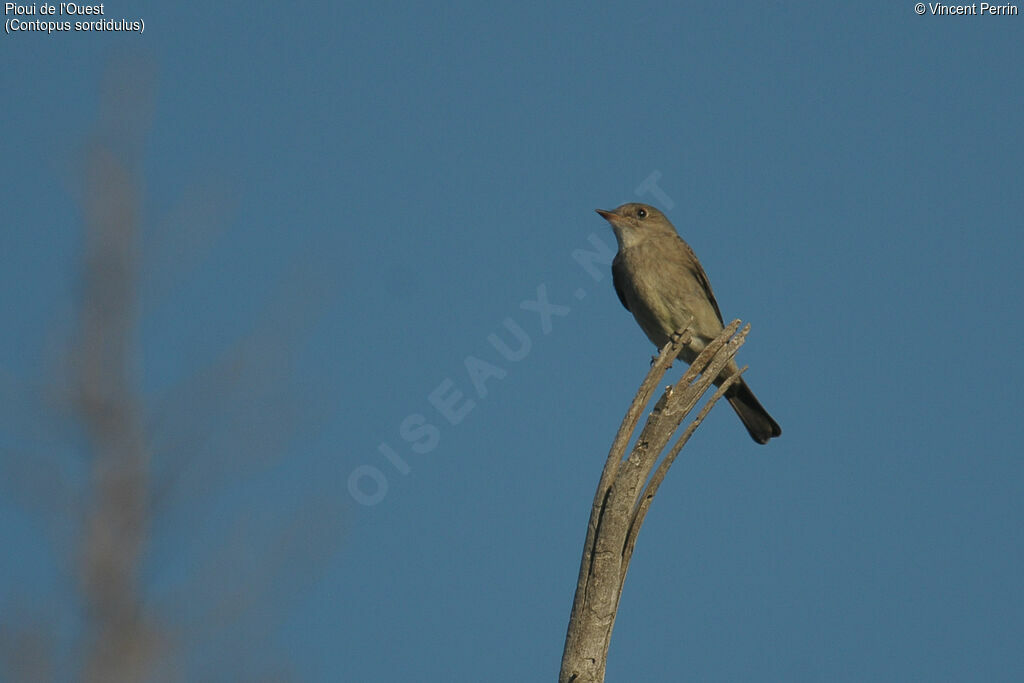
pixel 103 389
pixel 128 455
pixel 622 500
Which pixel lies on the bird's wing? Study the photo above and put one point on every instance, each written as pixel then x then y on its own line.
pixel 702 278
pixel 618 277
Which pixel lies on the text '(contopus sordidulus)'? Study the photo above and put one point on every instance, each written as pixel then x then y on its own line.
pixel 660 281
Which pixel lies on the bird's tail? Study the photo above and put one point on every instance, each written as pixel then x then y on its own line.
pixel 755 418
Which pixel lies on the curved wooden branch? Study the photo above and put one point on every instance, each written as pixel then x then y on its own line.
pixel 622 500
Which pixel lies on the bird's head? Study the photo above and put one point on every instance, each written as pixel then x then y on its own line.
pixel 633 223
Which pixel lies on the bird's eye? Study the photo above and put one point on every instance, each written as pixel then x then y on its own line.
pixel 642 213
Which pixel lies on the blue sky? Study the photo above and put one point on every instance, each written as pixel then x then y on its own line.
pixel 362 194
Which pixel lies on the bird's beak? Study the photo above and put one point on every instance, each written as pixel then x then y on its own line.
pixel 615 220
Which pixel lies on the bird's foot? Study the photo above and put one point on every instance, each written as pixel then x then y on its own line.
pixel 680 336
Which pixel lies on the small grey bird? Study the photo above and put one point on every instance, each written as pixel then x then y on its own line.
pixel 660 281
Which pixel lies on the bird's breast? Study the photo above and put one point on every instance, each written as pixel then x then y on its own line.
pixel 659 290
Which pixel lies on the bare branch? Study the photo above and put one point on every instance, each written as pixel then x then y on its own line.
pixel 629 422
pixel 622 501
pixel 666 462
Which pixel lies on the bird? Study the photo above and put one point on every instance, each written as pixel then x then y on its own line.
pixel 659 280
